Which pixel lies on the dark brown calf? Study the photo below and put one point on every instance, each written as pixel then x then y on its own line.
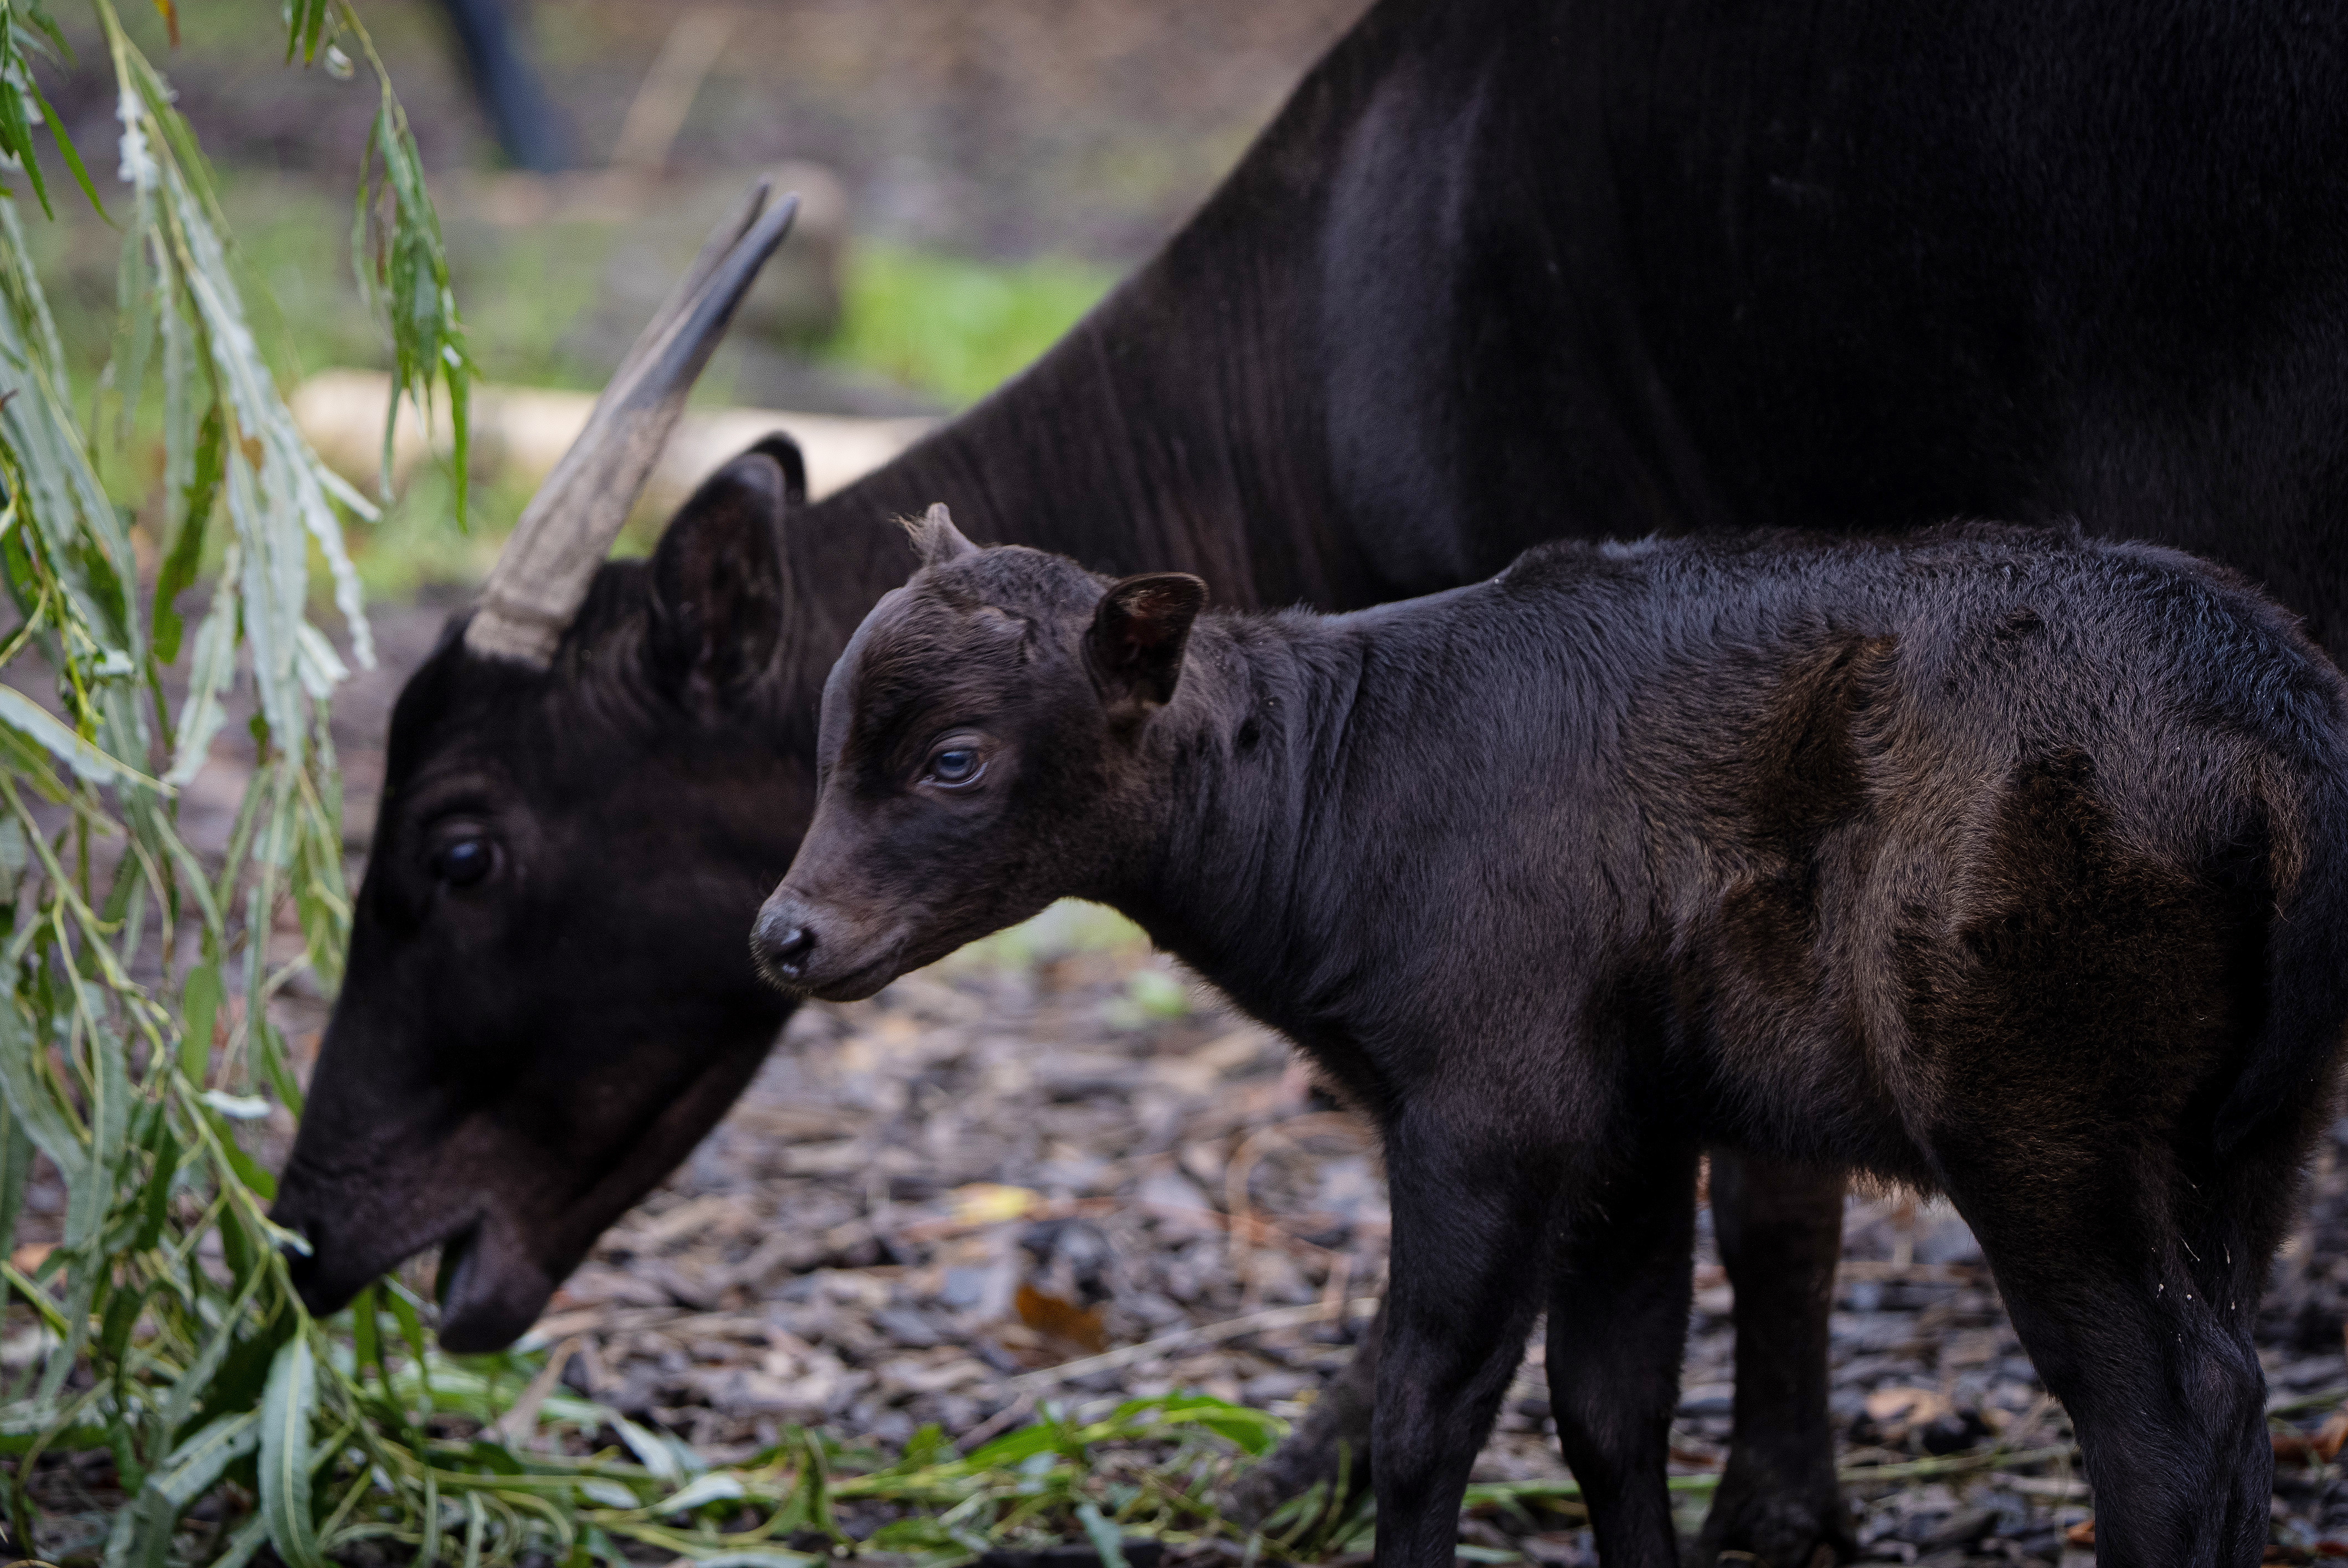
pixel 2005 865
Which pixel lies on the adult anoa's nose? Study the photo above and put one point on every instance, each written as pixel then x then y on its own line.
pixel 313 1279
pixel 782 941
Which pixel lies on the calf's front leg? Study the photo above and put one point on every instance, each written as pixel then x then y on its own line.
pixel 1469 1258
pixel 1780 1233
pixel 1618 1310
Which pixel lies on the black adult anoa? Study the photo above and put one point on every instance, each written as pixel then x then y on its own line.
pixel 1998 863
pixel 1498 269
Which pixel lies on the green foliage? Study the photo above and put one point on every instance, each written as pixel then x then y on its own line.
pixel 955 327
pixel 27 31
pixel 395 250
pixel 172 1336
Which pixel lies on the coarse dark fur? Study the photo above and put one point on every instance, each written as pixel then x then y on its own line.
pixel 1498 270
pixel 2001 863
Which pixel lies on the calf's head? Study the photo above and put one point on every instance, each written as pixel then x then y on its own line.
pixel 982 752
pixel 547 1003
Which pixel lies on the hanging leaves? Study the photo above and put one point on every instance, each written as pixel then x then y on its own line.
pixel 26 29
pixel 194 1366
pixel 395 250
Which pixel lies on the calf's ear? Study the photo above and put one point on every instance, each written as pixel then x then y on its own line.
pixel 1139 632
pixel 719 576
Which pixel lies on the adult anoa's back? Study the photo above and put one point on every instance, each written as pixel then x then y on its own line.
pixel 2010 864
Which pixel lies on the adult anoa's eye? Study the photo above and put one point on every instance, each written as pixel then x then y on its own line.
pixel 461 862
pixel 954 765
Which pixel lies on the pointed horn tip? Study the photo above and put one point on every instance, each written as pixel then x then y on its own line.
pixel 779 217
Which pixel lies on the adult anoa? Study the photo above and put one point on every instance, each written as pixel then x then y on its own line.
pixel 2003 864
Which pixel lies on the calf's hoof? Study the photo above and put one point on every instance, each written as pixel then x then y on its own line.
pixel 1776 1531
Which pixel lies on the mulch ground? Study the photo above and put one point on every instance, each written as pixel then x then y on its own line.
pixel 1057 1170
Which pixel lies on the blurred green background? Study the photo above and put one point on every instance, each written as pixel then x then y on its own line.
pixel 979 174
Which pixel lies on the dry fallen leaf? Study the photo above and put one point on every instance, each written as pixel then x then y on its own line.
pixel 2082 1533
pixel 991 1202
pixel 1910 1406
pixel 30 1256
pixel 1078 1326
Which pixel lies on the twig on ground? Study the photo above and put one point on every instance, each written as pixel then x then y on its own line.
pixel 1205 1334
pixel 514 1426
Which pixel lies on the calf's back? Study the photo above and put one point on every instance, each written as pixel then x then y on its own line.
pixel 1822 828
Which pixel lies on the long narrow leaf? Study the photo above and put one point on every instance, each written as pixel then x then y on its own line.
pixel 142 1537
pixel 286 1407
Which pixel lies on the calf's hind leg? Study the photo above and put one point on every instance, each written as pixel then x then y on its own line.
pixel 1779 1227
pixel 2135 1290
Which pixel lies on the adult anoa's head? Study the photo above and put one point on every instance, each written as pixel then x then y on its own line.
pixel 547 1003
pixel 984 750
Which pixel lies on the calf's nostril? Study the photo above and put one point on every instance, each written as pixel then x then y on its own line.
pixel 783 944
pixel 793 946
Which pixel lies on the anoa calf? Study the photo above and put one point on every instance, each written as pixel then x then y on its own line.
pixel 2003 864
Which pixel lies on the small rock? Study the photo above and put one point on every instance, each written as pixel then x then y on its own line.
pixel 906 1326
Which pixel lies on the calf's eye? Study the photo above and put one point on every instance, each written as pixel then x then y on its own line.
pixel 952 766
pixel 461 862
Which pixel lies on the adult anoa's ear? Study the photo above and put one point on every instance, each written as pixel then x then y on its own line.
pixel 936 539
pixel 719 576
pixel 1139 632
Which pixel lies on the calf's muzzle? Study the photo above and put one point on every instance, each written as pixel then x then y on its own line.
pixel 783 940
pixel 819 947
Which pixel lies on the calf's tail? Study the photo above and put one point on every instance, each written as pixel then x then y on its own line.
pixel 2306 959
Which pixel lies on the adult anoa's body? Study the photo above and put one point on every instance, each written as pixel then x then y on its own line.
pixel 1498 269
pixel 1997 863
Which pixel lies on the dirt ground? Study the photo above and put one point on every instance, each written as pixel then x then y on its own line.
pixel 1056 1167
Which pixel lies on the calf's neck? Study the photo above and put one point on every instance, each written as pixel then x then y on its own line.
pixel 2003 864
